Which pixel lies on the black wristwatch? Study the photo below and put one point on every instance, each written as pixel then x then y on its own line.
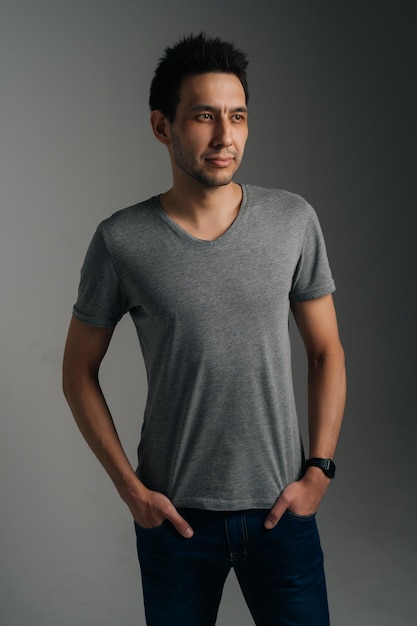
pixel 327 465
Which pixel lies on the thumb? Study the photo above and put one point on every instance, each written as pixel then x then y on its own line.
pixel 181 525
pixel 275 513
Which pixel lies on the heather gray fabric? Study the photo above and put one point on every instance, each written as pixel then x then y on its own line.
pixel 220 429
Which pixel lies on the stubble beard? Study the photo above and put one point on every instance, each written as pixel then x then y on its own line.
pixel 187 163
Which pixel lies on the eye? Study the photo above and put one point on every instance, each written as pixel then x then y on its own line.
pixel 204 117
pixel 238 117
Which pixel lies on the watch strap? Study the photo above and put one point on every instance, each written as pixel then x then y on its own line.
pixel 327 465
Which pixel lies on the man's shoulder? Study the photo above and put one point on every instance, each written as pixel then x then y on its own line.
pixel 277 201
pixel 130 215
pixel 130 222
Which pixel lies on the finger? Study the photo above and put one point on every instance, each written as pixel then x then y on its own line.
pixel 180 524
pixel 275 514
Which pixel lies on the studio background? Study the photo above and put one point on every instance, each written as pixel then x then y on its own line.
pixel 332 117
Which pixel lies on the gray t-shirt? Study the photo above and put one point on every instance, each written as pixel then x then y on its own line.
pixel 220 429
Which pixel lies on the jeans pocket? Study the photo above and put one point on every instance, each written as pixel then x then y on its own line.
pixel 301 518
pixel 152 529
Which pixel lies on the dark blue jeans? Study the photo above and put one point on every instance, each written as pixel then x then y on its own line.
pixel 280 571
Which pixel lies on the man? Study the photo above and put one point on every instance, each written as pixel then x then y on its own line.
pixel 208 272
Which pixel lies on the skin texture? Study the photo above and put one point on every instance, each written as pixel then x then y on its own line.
pixel 207 139
pixel 205 143
pixel 316 321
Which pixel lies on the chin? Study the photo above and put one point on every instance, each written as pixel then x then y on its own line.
pixel 214 181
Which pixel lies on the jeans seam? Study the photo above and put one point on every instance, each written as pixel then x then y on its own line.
pixel 245 533
pixel 228 538
pixel 234 556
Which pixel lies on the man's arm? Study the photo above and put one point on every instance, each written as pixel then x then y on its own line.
pixel 316 321
pixel 85 349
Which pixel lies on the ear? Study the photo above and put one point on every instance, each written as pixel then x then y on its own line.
pixel 160 126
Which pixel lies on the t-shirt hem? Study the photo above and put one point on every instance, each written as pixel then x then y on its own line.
pixel 99 323
pixel 225 505
pixel 312 294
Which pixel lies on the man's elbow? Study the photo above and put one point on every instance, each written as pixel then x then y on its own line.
pixel 69 383
pixel 76 378
pixel 332 354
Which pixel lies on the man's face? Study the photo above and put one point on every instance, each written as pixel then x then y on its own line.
pixel 210 129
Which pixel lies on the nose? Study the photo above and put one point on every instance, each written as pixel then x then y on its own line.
pixel 222 137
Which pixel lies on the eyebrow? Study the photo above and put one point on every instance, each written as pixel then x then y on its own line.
pixel 212 109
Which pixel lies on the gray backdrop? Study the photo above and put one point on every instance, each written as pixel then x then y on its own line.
pixel 332 115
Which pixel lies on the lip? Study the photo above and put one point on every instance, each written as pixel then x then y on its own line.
pixel 220 162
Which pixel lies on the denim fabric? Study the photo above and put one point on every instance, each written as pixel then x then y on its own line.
pixel 280 571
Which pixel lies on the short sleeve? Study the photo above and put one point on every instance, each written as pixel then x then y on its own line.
pixel 312 277
pixel 101 298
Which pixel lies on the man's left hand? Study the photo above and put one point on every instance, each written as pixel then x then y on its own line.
pixel 302 497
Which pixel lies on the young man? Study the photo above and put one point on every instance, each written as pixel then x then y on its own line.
pixel 208 272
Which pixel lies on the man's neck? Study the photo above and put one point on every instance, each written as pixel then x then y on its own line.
pixel 205 213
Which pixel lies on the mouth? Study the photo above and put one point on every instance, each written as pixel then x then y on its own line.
pixel 220 161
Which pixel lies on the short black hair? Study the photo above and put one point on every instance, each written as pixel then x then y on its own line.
pixel 194 54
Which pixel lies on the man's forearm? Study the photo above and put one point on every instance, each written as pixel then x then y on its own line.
pixel 149 508
pixel 92 415
pixel 326 401
pixel 85 349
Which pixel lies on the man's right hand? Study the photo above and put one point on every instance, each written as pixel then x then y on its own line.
pixel 152 508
